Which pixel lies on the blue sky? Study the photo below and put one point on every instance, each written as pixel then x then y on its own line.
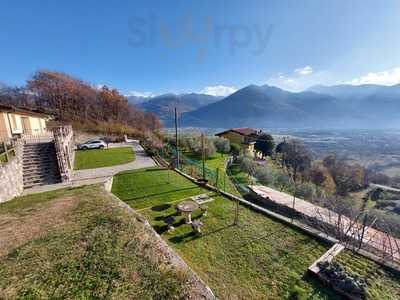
pixel 209 45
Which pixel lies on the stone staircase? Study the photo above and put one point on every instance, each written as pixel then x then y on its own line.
pixel 40 166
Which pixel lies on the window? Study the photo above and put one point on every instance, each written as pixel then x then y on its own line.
pixel 13 122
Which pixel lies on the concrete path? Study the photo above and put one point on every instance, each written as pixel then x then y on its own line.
pixel 385 187
pixel 372 237
pixel 101 175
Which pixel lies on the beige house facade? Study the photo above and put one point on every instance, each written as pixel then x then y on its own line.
pixel 16 122
pixel 245 137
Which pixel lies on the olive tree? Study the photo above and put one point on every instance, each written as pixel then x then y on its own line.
pixel 265 144
pixel 222 144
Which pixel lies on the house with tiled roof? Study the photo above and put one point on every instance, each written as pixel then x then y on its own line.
pixel 245 137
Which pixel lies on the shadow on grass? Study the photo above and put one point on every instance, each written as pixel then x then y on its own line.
pixel 156 169
pixel 161 207
pixel 160 229
pixel 218 230
pixel 184 237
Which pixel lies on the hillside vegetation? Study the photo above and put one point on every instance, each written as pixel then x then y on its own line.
pixel 164 105
pixel 71 100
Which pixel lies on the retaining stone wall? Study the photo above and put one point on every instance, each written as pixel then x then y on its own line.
pixel 11 180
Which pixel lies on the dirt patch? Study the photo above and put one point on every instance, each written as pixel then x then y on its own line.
pixel 16 230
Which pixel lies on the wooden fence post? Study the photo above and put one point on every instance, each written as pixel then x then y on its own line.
pixel 216 180
pixel 6 151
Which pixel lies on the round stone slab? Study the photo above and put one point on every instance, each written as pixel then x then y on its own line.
pixel 187 206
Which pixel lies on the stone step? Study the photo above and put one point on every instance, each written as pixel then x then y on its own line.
pixel 27 168
pixel 40 166
pixel 37 148
pixel 38 144
pixel 28 152
pixel 38 157
pixel 41 172
pixel 29 185
pixel 43 179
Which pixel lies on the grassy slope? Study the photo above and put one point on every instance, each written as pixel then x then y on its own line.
pixel 97 158
pixel 260 257
pixel 219 161
pixel 3 156
pixel 382 283
pixel 256 259
pixel 148 187
pixel 99 251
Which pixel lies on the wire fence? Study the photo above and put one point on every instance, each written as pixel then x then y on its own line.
pixel 217 177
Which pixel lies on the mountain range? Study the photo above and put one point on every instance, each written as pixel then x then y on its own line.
pixel 335 107
pixel 164 105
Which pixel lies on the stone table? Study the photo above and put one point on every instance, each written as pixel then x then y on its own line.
pixel 187 208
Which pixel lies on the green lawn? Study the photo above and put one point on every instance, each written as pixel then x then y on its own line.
pixel 153 186
pixel 382 283
pixel 218 161
pixel 3 156
pixel 97 158
pixel 79 244
pixel 259 259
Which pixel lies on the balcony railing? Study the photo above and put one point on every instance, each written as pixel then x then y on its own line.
pixel 38 137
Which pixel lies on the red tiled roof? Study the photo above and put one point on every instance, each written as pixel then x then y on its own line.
pixel 242 131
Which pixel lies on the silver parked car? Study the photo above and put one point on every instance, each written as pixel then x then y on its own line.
pixel 92 144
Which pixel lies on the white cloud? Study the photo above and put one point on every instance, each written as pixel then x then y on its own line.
pixel 140 94
pixel 297 81
pixel 307 70
pixel 218 90
pixel 285 82
pixel 388 77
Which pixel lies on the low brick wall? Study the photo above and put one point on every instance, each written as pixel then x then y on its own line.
pixel 11 180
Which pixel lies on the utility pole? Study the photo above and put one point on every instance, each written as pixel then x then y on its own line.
pixel 176 139
pixel 203 156
pixel 294 201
